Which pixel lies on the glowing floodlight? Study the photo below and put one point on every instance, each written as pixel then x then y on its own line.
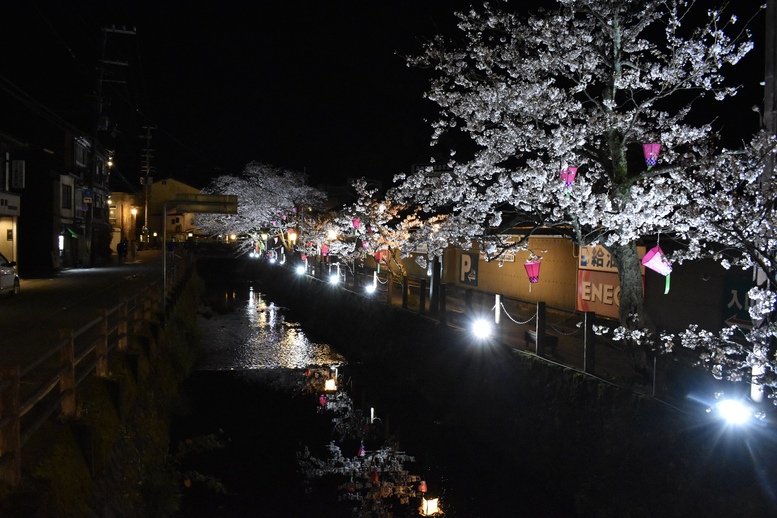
pixel 301 270
pixel 430 507
pixel 481 328
pixel 734 412
pixel 370 288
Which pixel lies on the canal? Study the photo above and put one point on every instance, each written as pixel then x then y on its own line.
pixel 259 434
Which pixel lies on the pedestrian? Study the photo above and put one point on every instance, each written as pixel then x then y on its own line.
pixel 121 249
pixel 171 248
pixel 133 250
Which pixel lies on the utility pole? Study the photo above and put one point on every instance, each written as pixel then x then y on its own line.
pixel 146 180
pixel 767 177
pixel 101 124
pixel 770 90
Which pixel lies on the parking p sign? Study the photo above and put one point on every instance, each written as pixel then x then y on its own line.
pixel 468 269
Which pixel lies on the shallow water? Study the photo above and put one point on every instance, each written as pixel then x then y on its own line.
pixel 258 390
pixel 246 331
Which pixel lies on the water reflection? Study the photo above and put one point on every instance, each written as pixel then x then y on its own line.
pixel 244 330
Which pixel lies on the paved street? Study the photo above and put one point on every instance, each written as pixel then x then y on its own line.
pixel 31 322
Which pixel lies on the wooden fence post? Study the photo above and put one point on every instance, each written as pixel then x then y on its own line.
pixel 123 326
pixel 422 308
pixel 541 310
pixel 589 342
pixel 10 426
pixel 443 310
pixel 101 348
pixel 67 378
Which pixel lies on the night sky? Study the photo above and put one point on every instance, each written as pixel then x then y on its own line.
pixel 313 85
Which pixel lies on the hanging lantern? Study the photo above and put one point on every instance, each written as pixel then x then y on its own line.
pixel 330 385
pixel 651 152
pixel 324 250
pixel 355 222
pixel 374 477
pixel 657 261
pixel 322 400
pixel 429 507
pixel 568 175
pixel 292 236
pixel 532 270
pixel 422 486
pixel 362 451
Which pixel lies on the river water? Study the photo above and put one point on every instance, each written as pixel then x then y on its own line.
pixel 261 437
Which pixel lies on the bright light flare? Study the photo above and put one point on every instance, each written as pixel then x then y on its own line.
pixel 482 328
pixel 370 288
pixel 301 270
pixel 334 278
pixel 734 412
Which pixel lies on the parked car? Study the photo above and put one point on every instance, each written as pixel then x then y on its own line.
pixel 9 280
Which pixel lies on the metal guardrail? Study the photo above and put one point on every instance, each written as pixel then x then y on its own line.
pixel 31 395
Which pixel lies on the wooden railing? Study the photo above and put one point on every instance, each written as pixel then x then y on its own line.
pixel 31 395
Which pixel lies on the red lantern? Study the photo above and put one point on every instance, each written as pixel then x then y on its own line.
pixel 322 400
pixel 422 486
pixel 568 175
pixel 374 477
pixel 532 270
pixel 651 152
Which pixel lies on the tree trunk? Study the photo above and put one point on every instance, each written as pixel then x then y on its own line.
pixel 632 300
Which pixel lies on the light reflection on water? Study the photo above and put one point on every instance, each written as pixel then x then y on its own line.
pixel 248 332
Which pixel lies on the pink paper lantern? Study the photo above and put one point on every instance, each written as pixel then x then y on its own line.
pixel 651 152
pixel 324 250
pixel 568 175
pixel 362 451
pixel 657 261
pixel 355 222
pixel 532 270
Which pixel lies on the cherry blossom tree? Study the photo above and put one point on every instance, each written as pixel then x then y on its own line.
pixel 733 212
pixel 584 85
pixel 270 199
